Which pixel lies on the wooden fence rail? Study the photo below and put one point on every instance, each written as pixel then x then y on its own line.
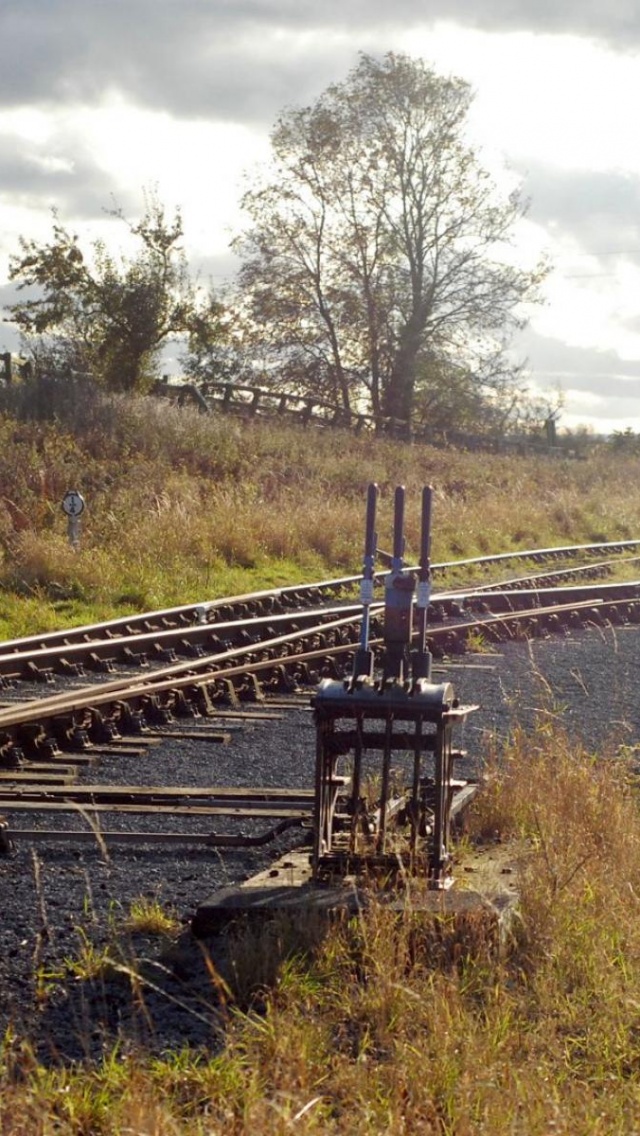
pixel 249 401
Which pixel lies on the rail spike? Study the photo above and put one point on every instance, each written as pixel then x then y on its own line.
pixel 389 707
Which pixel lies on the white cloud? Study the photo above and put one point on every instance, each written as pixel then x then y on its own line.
pixel 567 101
pixel 195 165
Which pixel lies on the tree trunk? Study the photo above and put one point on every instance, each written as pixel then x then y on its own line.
pixel 400 387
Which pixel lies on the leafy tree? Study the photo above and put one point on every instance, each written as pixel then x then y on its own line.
pixel 448 396
pixel 106 315
pixel 215 349
pixel 376 240
pixel 625 441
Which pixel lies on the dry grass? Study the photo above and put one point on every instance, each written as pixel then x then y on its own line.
pixel 182 506
pixel 369 1029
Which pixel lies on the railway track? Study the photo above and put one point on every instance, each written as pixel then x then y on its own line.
pixel 171 755
pixel 207 668
pixel 218 626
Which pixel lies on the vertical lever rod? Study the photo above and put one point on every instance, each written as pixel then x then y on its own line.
pixel 398 530
pixel 363 662
pixel 422 659
pixel 399 587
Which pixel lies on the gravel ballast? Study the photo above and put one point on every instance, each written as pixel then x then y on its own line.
pixel 64 903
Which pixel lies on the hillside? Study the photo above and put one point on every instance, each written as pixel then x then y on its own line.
pixel 182 506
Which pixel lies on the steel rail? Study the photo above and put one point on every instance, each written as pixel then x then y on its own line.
pixel 540 554
pixel 190 614
pixel 289 807
pixel 259 799
pixel 174 679
pixel 70 700
pixel 47 658
pixel 512 599
pixel 170 676
pixel 194 613
pixel 43 804
pixel 114 836
pixel 553 574
pixel 208 668
pixel 32 663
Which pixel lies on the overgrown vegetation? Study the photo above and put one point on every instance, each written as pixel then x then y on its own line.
pixel 357 1031
pixel 92 311
pixel 377 270
pixel 366 1030
pixel 376 262
pixel 183 506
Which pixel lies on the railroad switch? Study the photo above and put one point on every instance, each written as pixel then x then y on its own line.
pixel 183 707
pixel 69 734
pixel 385 791
pixel 248 689
pixel 102 728
pixel 100 665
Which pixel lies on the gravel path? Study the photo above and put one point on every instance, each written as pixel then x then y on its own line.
pixel 63 904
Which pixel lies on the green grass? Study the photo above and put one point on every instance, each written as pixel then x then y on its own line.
pixel 148 916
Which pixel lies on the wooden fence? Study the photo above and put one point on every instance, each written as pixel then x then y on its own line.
pixel 249 401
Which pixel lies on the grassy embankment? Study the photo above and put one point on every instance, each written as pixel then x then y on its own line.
pixel 363 1033
pixel 183 507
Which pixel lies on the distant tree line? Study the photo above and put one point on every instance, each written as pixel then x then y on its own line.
pixel 625 441
pixel 376 270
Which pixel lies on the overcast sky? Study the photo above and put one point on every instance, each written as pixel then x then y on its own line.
pixel 102 98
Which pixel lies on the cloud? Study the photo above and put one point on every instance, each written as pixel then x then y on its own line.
pixel 240 60
pixel 553 363
pixel 126 94
pixel 65 178
pixel 598 211
pixel 617 24
pixel 600 389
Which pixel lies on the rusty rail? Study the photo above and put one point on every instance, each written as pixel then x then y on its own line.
pixel 48 738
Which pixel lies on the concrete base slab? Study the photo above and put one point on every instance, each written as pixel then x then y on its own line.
pixel 482 901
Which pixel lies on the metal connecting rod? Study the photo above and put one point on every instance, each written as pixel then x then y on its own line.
pixel 398 602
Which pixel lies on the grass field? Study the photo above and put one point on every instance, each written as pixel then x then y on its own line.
pixel 363 1030
pixel 182 506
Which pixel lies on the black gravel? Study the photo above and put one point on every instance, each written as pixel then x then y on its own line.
pixel 63 904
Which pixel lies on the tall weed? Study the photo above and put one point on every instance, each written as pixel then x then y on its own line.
pixel 367 1028
pixel 182 505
